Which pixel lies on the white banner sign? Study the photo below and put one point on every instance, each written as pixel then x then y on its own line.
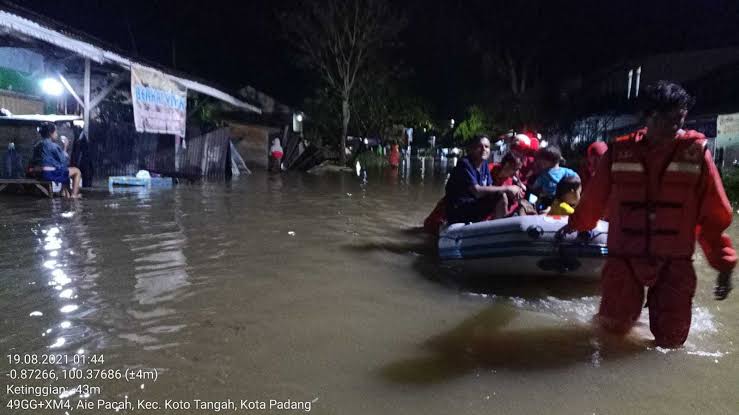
pixel 159 104
pixel 727 130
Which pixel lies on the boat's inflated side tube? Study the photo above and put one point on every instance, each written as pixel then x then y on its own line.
pixel 524 239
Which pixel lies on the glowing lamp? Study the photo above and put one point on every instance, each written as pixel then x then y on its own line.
pixel 51 86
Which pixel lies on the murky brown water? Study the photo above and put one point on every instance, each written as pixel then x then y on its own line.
pixel 318 289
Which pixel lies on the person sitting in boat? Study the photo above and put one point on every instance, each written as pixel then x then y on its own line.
pixel 524 148
pixel 545 186
pixel 503 174
pixel 567 196
pixel 49 162
pixel 506 174
pixel 471 195
pixel 594 153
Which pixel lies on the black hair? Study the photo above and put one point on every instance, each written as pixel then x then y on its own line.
pixel 550 153
pixel 477 139
pixel 566 185
pixel 664 96
pixel 46 129
pixel 510 158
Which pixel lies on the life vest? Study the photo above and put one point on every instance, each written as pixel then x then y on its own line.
pixel 654 213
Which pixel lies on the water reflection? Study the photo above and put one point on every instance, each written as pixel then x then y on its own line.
pixel 288 278
pixel 484 341
pixel 53 244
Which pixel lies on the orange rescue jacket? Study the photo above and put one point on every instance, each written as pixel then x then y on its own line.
pixel 659 200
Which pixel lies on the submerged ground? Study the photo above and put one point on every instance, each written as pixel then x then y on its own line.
pixel 319 288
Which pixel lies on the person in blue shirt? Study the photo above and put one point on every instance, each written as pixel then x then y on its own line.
pixel 545 185
pixel 49 161
pixel 470 193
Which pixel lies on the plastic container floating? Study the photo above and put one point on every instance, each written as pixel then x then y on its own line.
pixel 524 246
pixel 158 182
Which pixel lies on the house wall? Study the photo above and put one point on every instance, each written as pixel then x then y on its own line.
pixel 24 136
pixel 252 141
pixel 20 103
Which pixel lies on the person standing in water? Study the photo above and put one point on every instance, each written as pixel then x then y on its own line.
pixel 663 192
pixel 394 156
pixel 275 155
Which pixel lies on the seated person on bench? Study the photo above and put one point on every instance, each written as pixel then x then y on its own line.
pixel 50 163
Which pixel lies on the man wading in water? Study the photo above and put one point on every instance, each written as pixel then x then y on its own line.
pixel 662 191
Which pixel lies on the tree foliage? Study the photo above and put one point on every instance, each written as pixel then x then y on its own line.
pixel 336 39
pixel 476 122
pixel 381 106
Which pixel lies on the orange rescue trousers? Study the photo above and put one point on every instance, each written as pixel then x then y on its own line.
pixel 671 287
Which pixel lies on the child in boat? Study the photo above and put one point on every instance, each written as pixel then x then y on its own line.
pixel 567 196
pixel 524 148
pixel 545 186
pixel 506 174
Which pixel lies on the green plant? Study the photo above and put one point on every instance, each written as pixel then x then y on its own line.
pixel 18 82
pixel 370 159
pixel 475 123
pixel 731 184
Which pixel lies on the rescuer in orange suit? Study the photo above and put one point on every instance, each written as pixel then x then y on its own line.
pixel 662 191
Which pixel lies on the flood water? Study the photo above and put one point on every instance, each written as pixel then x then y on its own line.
pixel 320 289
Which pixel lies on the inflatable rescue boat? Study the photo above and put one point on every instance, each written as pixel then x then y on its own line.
pixel 524 246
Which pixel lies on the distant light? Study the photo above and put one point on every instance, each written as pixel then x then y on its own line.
pixel 51 86
pixel 299 117
pixel 543 143
pixel 366 141
pixel 452 122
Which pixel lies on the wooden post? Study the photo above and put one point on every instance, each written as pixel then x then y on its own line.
pixel 177 146
pixel 87 108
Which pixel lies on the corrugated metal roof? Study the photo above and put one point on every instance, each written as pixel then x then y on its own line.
pixel 40 117
pixel 35 30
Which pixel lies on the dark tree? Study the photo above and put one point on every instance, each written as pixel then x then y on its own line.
pixel 337 39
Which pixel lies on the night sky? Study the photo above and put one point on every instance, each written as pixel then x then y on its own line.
pixel 237 43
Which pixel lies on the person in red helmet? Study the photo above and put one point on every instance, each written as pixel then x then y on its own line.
pixel 534 139
pixel 594 153
pixel 663 192
pixel 522 148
